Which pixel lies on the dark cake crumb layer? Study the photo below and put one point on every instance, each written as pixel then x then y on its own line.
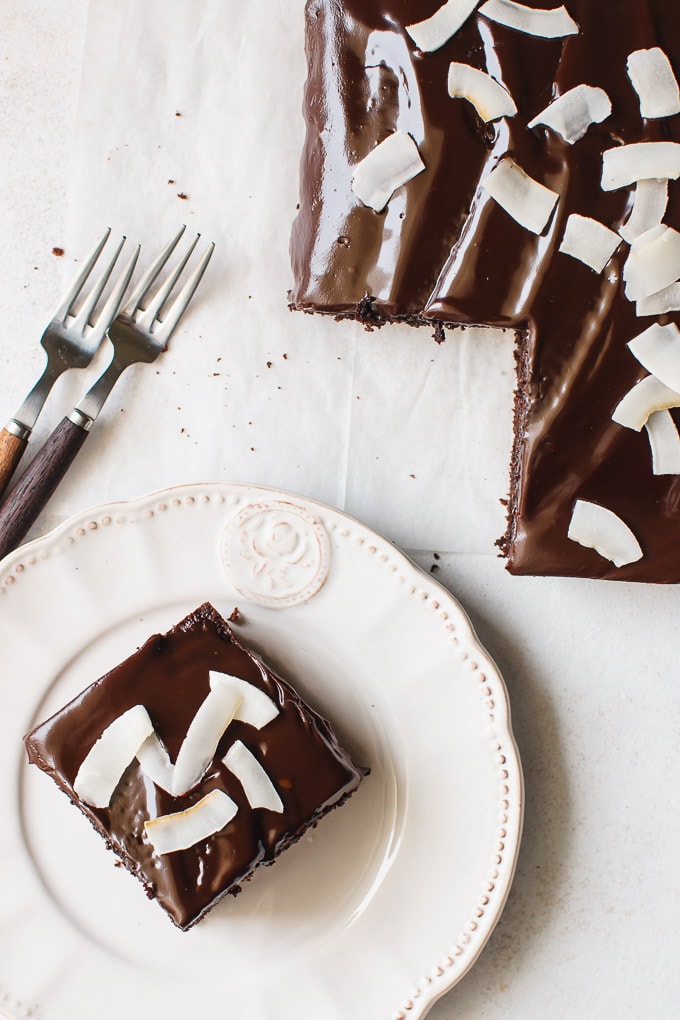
pixel 444 252
pixel 169 676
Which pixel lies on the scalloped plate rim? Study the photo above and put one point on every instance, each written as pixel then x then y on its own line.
pixel 413 1010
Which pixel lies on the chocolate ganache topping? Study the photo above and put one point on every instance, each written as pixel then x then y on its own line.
pixel 444 251
pixel 169 678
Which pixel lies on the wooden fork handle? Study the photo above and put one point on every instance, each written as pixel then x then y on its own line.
pixel 12 449
pixel 32 492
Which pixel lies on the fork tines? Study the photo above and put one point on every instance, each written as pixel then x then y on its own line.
pixel 154 316
pixel 82 316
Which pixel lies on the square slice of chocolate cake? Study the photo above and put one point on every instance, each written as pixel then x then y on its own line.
pixel 516 164
pixel 195 762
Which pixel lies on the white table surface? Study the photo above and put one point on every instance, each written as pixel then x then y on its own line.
pixel 591 926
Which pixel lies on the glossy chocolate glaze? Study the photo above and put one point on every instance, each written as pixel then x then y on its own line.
pixel 169 676
pixel 443 251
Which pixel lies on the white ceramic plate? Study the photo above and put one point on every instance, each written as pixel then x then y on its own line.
pixel 390 900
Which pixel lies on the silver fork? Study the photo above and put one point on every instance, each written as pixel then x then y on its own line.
pixel 70 341
pixel 138 334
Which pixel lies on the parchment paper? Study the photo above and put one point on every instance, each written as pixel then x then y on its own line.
pixel 204 100
pixel 590 927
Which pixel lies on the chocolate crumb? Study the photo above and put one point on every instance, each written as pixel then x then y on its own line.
pixel 285 357
pixel 171 182
pixel 180 194
pixel 178 114
pixel 439 335
pixel 436 556
pixel 235 615
pixel 269 364
pixel 367 313
pixel 58 252
pixel 434 568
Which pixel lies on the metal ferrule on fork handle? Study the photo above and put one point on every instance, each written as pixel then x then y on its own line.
pixel 79 418
pixel 16 428
pixel 70 341
pixel 137 334
pixel 40 479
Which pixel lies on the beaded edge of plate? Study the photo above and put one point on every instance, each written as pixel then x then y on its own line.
pixel 489 901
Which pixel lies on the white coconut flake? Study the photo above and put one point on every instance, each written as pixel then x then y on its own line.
pixel 664 301
pixel 649 208
pixel 528 202
pixel 107 760
pixel 256 708
pixel 644 399
pixel 639 161
pixel 589 241
pixel 653 79
pixel 155 762
pixel 393 162
pixel 257 786
pixel 653 262
pixel 433 32
pixel 230 698
pixel 550 24
pixel 598 528
pixel 658 350
pixel 204 733
pixel 179 831
pixel 664 442
pixel 489 98
pixel 572 113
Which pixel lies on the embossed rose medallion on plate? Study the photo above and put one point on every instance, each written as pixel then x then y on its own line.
pixel 276 553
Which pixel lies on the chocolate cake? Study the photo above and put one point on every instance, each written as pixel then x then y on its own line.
pixel 478 163
pixel 195 762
